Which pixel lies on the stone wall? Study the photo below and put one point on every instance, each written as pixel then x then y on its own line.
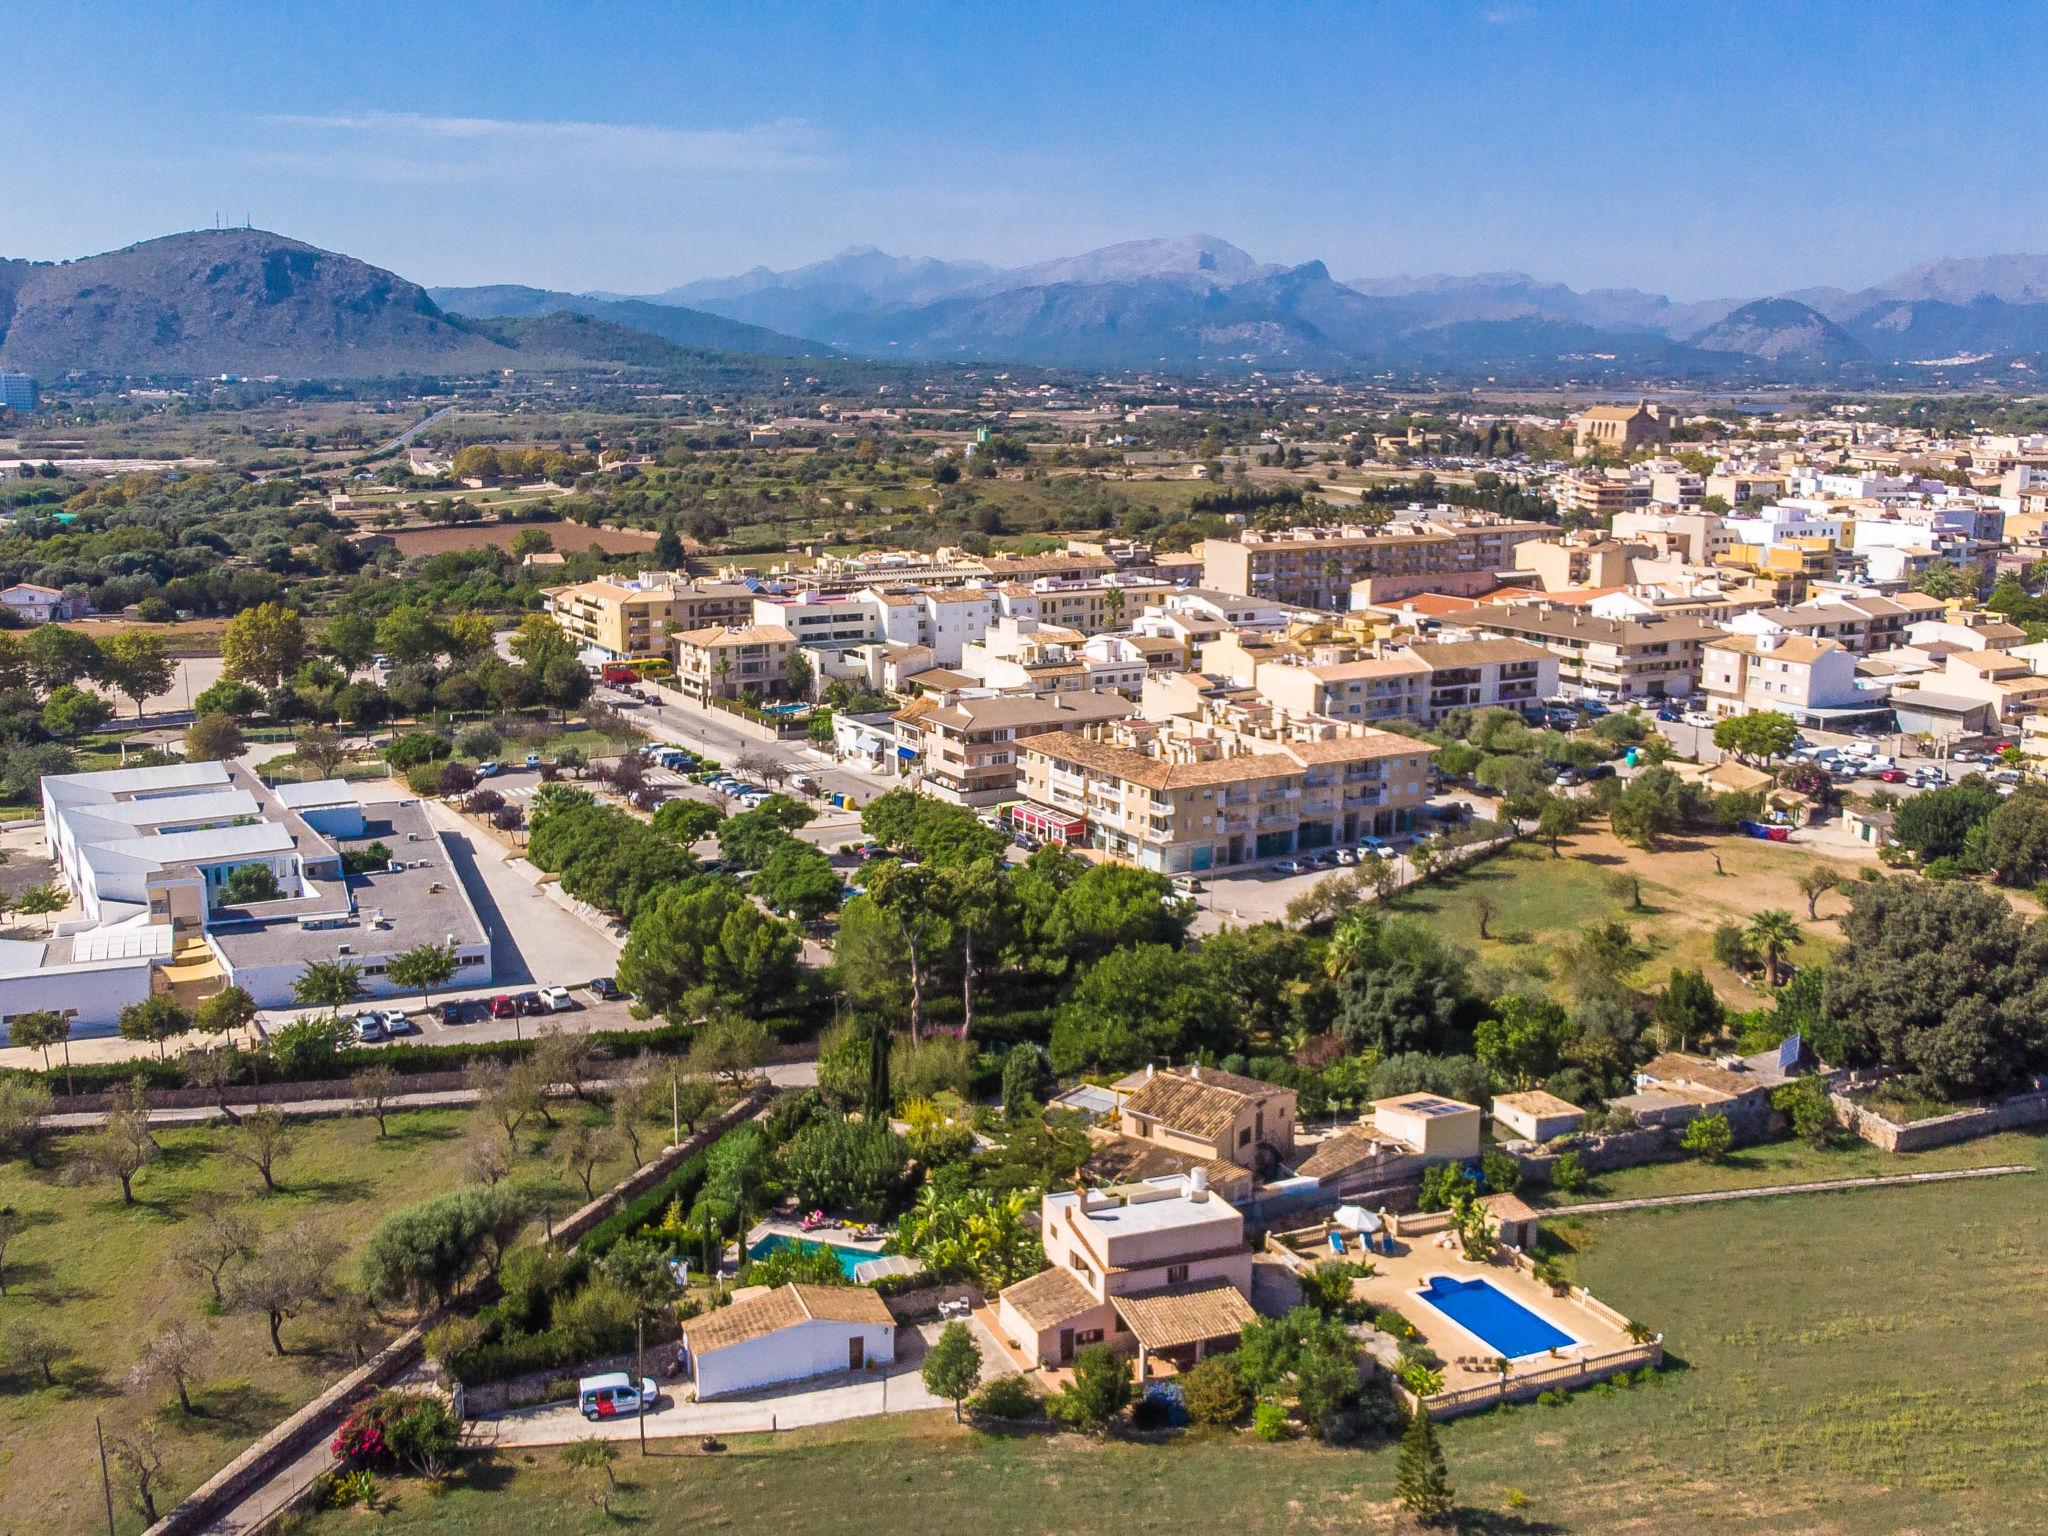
pixel 2021 1110
pixel 907 1306
pixel 1603 1154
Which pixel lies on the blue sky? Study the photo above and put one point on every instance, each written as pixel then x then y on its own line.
pixel 1693 148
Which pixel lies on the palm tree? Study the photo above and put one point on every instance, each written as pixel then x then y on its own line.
pixel 1773 935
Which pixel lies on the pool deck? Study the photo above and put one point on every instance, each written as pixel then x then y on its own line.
pixel 1471 1380
pixel 836 1236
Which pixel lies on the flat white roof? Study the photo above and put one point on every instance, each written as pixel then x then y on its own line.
pixel 300 797
pixel 125 941
pixel 159 809
pixel 210 843
pixel 124 781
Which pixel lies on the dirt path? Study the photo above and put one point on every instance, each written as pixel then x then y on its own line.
pixel 1820 1187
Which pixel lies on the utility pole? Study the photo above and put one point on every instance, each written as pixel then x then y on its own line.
pixel 675 1106
pixel 640 1369
pixel 106 1484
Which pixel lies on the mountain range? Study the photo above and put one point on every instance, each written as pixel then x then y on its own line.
pixel 253 303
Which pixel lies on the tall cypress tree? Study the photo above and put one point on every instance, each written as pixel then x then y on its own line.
pixel 878 1100
pixel 1421 1482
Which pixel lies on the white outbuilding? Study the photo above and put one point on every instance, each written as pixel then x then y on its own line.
pixel 788 1334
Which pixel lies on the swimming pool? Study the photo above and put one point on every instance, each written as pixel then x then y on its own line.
pixel 1493 1317
pixel 848 1257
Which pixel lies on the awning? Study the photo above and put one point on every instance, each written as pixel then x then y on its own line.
pixel 1182 1315
pixel 1040 819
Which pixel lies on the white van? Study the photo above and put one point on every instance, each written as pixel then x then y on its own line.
pixel 614 1396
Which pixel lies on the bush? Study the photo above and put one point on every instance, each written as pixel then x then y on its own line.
pixel 1007 1397
pixel 1568 1174
pixel 1443 1185
pixel 1215 1392
pixel 1502 1173
pixel 1269 1421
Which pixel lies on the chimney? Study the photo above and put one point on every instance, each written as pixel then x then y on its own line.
pixel 1198 1184
pixel 1195 1071
pixel 1148 1069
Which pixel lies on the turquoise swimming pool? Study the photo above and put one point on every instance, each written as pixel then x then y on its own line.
pixel 1493 1317
pixel 848 1257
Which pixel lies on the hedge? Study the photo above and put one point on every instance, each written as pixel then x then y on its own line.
pixel 681 1183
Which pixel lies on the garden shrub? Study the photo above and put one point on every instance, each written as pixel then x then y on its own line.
pixel 1269 1421
pixel 1215 1392
pixel 1007 1397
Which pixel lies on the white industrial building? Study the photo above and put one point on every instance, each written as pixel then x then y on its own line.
pixel 147 854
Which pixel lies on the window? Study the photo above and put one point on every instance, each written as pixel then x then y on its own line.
pixel 1176 1274
pixel 1244 1137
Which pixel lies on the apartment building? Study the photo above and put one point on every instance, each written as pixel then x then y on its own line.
pixel 1607 658
pixel 1183 795
pixel 1604 493
pixel 724 661
pixel 967 750
pixel 1352 567
pixel 1564 564
pixel 1696 537
pixel 629 618
pixel 1482 674
pixel 1812 680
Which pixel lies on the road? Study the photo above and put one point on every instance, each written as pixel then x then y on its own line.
pixel 413 431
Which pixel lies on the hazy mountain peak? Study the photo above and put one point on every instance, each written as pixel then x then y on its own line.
pixel 1781 331
pixel 2017 279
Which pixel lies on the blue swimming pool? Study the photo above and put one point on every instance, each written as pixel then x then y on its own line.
pixel 1493 1317
pixel 848 1257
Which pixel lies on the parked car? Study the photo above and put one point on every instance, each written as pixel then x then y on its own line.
pixel 489 770
pixel 1892 775
pixel 502 1007
pixel 1965 755
pixel 533 759
pixel 1346 856
pixel 1375 845
pixel 616 1394
pixel 1668 714
pixel 1186 885
pixel 1597 771
pixel 529 1002
pixel 368 1027
pixel 1698 717
pixel 1290 867
pixel 605 990
pixel 557 999
pixel 451 1011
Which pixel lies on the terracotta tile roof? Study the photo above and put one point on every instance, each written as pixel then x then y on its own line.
pixel 1474 653
pixel 1051 1296
pixel 1206 1108
pixel 713 636
pixel 1129 1160
pixel 787 1306
pixel 1185 1314
pixel 1278 760
pixel 1343 1152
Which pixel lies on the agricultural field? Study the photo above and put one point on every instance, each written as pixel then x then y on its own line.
pixel 102 1277
pixel 1538 901
pixel 1842 1365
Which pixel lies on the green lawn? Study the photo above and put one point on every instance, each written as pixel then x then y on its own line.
pixel 1840 1364
pixel 101 1277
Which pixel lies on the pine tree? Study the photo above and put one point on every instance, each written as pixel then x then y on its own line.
pixel 1420 1480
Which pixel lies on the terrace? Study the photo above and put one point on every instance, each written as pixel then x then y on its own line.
pixel 1549 1338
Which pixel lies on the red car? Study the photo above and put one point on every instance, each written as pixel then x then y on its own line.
pixel 502 1007
pixel 1892 775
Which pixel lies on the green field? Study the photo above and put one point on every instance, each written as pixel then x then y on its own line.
pixel 1539 901
pixel 1845 1365
pixel 100 1276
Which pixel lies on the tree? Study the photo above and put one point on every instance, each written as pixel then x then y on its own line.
pixel 42 901
pixel 579 1150
pixel 2016 839
pixel 686 821
pixel 1650 808
pixel 423 968
pixel 320 750
pixel 421 1253
pixel 952 1366
pixel 39 1030
pixel 1098 1393
pixel 1816 881
pixel 350 637
pixel 226 1011
pixel 731 1047
pixel 173 1356
pixel 30 1348
pixel 1937 823
pixel 74 712
pixel 156 1019
pixel 286 1276
pixel 1525 1039
pixel 213 1068
pixel 140 1456
pixel 374 1088
pixel 1024 1074
pixel 263 645
pixel 1805 1105
pixel 213 739
pixel 1772 936
pixel 594 1455
pixel 10 1227
pixel 1422 1483
pixel 1763 734
pixel 228 696
pixel 1484 910
pixel 222 1238
pixel 1139 1003
pixel 248 884
pixel 1708 1137
pixel 260 1140
pixel 1689 1008
pixel 1942 981
pixel 701 934
pixel 134 665
pixel 798 879
pixel 330 984
pixel 55 656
